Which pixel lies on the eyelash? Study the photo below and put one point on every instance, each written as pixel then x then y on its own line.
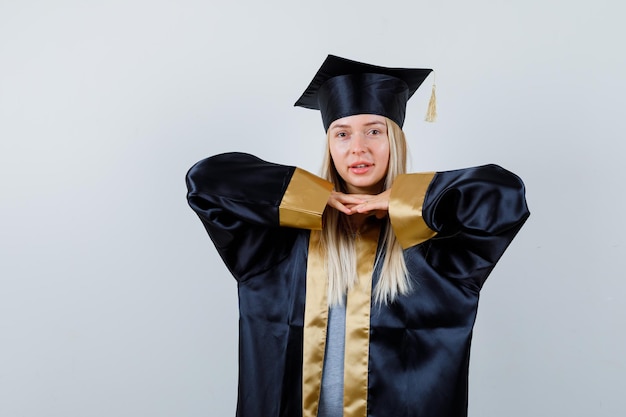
pixel 343 135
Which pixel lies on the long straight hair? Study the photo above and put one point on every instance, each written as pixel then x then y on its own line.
pixel 338 243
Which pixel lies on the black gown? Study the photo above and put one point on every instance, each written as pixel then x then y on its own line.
pixel 453 226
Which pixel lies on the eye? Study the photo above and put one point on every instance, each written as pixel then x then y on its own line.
pixel 341 135
pixel 374 132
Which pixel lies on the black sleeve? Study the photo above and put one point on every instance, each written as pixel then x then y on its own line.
pixel 237 197
pixel 476 213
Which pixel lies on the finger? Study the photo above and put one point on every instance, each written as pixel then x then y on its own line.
pixel 371 206
pixel 340 207
pixel 347 199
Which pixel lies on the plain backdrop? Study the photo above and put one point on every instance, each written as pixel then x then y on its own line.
pixel 113 301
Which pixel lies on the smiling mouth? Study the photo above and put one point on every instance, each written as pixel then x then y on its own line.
pixel 360 166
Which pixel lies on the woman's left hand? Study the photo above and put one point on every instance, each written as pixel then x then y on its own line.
pixel 373 204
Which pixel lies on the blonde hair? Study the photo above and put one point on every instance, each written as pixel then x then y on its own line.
pixel 338 243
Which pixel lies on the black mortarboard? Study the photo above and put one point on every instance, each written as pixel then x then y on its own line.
pixel 343 88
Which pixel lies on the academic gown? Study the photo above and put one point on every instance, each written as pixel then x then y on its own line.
pixel 453 226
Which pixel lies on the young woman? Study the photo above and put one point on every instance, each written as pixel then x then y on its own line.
pixel 358 289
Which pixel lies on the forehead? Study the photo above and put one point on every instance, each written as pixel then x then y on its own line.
pixel 359 120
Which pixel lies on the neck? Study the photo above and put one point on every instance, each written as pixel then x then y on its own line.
pixel 357 222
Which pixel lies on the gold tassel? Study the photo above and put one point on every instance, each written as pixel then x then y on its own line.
pixel 431 113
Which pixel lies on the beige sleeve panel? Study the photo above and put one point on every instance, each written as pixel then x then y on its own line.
pixel 304 201
pixel 405 208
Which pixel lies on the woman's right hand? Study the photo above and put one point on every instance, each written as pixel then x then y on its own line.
pixel 349 204
pixel 344 202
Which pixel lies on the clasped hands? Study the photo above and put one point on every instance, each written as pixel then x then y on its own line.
pixel 377 205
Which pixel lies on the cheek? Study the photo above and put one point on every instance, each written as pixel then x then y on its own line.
pixel 335 154
pixel 383 154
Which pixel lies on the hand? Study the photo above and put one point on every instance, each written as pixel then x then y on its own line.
pixel 361 203
pixel 377 205
pixel 344 202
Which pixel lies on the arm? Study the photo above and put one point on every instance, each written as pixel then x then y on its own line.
pixel 475 213
pixel 242 201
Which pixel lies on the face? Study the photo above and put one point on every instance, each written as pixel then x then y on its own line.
pixel 359 147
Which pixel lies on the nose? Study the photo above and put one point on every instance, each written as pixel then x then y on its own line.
pixel 357 144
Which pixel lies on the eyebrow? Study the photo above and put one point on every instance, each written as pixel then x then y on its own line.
pixel 343 126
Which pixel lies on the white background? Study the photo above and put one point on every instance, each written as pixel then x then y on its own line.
pixel 113 301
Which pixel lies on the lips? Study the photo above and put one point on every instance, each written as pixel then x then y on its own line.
pixel 360 167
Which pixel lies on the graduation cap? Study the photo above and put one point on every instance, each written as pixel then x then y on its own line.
pixel 343 87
